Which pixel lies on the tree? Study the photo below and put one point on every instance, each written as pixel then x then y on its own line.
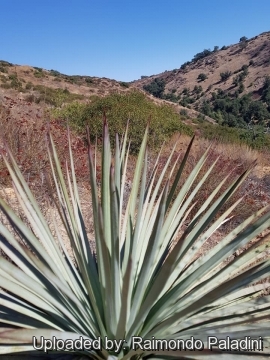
pixel 183 66
pixel 216 48
pixel 206 108
pixel 225 75
pixel 185 91
pixel 241 88
pixel 197 89
pixel 156 87
pixel 257 111
pixel 202 77
pixel 243 42
pixel 266 92
pixel 243 39
pixel 201 55
pixel 236 81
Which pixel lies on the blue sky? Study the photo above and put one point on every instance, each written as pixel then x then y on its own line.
pixel 122 39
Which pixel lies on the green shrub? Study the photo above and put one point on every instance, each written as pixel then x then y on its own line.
pixel 171 97
pixel 201 55
pixel 225 75
pixel 243 42
pixel 55 73
pixel 183 112
pixel 240 77
pixel 241 88
pixel 186 100
pixel 183 66
pixel 16 84
pixel 202 77
pixel 39 74
pixel 3 78
pixel 133 106
pixel 186 91
pixel 156 87
pixel 230 134
pixel 89 80
pixel 3 69
pixel 243 39
pixel 265 92
pixel 73 79
pixel 197 89
pixel 5 63
pixel 39 69
pixel 56 97
pixel 124 84
pixel 13 77
pixel 29 86
pixel 238 110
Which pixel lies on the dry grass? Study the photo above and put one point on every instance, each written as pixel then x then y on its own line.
pixel 74 84
pixel 233 159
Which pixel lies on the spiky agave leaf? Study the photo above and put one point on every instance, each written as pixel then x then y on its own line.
pixel 136 283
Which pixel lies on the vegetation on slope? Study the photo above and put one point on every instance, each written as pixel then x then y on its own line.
pixel 228 109
pixel 231 85
pixel 255 137
pixel 51 87
pixel 235 111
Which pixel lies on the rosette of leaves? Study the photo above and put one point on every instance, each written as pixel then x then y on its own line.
pixel 138 281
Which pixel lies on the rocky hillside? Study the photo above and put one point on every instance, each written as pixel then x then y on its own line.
pixel 39 84
pixel 53 89
pixel 237 69
pixel 232 71
pixel 228 86
pixel 253 54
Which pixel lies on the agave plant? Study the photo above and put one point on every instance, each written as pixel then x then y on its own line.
pixel 139 285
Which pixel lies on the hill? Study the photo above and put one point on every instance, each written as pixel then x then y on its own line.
pixel 53 88
pixel 34 100
pixel 40 83
pixel 238 71
pixel 195 93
